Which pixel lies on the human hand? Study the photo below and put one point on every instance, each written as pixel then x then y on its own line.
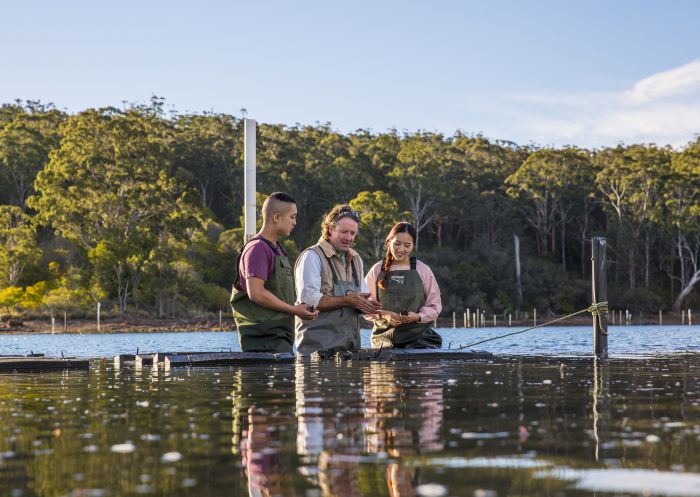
pixel 305 311
pixel 363 303
pixel 392 318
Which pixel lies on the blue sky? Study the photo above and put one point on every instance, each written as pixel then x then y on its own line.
pixel 550 72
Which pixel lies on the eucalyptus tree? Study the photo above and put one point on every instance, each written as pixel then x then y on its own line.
pixel 26 138
pixel 18 247
pixel 110 187
pixel 378 211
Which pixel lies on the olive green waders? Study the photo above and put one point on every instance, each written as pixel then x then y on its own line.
pixel 261 329
pixel 404 293
pixel 337 330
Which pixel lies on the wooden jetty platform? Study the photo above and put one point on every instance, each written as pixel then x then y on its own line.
pixel 221 359
pixel 37 363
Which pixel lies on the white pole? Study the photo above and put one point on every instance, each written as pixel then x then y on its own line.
pixel 99 307
pixel 53 325
pixel 454 319
pixel 534 316
pixel 219 318
pixel 477 318
pixel 690 318
pixel 469 318
pixel 249 178
pixel 465 319
pixel 494 320
pixel 509 319
pixel 682 316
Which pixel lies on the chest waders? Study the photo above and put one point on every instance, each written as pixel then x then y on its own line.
pixel 404 293
pixel 261 329
pixel 333 331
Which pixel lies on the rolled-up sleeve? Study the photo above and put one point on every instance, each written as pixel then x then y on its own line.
pixel 307 278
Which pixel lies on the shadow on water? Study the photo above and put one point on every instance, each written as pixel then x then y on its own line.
pixel 514 426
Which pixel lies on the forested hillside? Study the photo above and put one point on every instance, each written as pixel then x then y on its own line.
pixel 140 209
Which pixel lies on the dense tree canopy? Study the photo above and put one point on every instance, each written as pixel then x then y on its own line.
pixel 141 211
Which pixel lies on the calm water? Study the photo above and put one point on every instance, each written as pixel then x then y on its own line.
pixel 515 426
pixel 623 341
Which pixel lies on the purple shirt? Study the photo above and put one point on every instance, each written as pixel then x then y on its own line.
pixel 258 261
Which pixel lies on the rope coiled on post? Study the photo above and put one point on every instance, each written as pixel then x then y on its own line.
pixel 597 310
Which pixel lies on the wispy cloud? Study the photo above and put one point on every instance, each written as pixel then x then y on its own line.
pixel 681 80
pixel 663 108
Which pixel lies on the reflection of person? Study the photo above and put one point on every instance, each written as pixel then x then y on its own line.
pixel 414 429
pixel 258 436
pixel 329 278
pixel 408 293
pixel 263 292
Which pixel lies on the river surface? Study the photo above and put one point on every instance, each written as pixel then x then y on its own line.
pixel 567 340
pixel 515 425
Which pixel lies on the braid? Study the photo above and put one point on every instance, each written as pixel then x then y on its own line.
pixel 387 265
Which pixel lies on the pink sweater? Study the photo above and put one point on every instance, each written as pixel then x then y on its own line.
pixel 433 304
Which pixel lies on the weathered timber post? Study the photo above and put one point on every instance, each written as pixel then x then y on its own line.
pixel 599 291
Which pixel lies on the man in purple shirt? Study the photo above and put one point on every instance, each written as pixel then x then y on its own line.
pixel 263 291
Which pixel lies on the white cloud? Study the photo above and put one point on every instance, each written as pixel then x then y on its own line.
pixel 681 80
pixel 663 108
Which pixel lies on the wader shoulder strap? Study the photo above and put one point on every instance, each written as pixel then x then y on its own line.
pixel 413 263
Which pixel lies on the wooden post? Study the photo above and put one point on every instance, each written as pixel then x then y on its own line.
pixel 494 320
pixel 599 291
pixel 682 316
pixel 99 308
pixel 509 318
pixel 65 321
pixel 477 318
pixel 465 319
pixel 661 317
pixel 53 325
pixel 454 319
pixel 690 318
pixel 534 316
pixel 469 318
pixel 219 318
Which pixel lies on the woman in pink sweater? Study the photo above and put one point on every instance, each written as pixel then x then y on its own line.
pixel 408 292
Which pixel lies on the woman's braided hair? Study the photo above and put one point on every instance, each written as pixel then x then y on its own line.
pixel 402 227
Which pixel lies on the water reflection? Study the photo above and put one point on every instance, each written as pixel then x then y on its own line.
pixel 514 426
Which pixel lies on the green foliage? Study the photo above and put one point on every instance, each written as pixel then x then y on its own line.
pixel 378 213
pixel 142 211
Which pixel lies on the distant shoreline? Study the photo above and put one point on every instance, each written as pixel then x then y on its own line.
pixel 130 324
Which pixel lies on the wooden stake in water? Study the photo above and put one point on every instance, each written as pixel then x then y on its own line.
pixel 469 318
pixel 509 318
pixel 682 316
pixel 99 308
pixel 477 316
pixel 690 318
pixel 534 317
pixel 465 319
pixel 454 319
pixel 219 318
pixel 494 320
pixel 53 325
pixel 661 317
pixel 599 293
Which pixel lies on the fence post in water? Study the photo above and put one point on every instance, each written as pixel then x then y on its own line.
pixel 509 318
pixel 219 318
pixel 534 316
pixel 477 316
pixel 454 319
pixel 99 308
pixel 469 318
pixel 53 325
pixel 682 316
pixel 661 317
pixel 599 291
pixel 494 320
pixel 690 318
